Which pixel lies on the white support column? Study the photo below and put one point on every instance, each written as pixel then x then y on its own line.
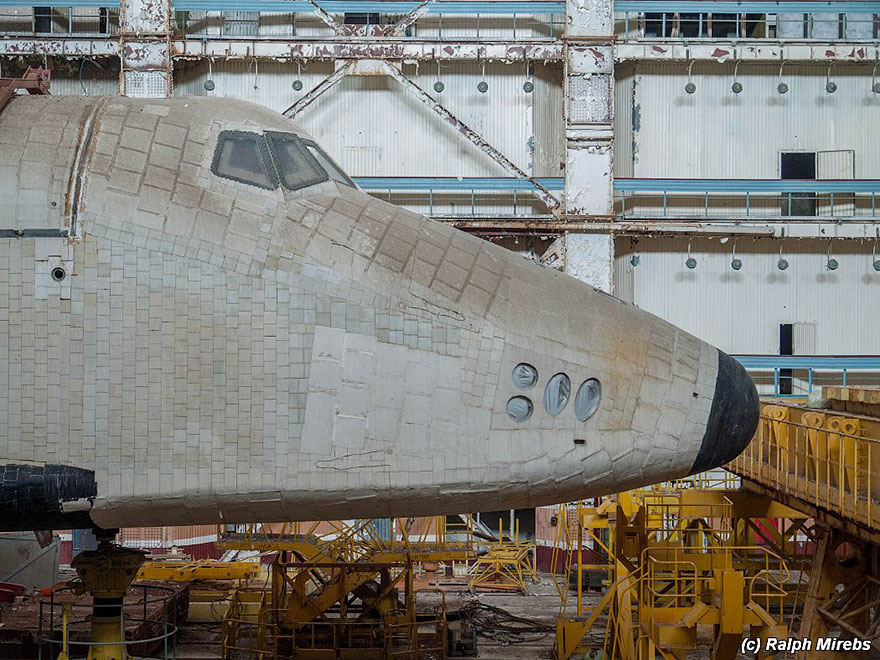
pixel 589 108
pixel 590 258
pixel 145 48
pixel 589 137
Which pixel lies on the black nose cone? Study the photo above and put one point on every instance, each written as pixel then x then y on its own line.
pixel 733 417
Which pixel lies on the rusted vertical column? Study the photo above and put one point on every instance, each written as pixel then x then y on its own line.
pixel 145 48
pixel 589 136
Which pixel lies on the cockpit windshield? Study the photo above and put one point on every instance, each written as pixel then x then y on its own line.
pixel 336 173
pixel 274 158
pixel 297 167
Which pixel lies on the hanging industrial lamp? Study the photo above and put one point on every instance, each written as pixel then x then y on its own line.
pixel 782 87
pixel 782 264
pixel 529 85
pixel 690 87
pixel 735 263
pixel 830 85
pixel 483 86
pixel 209 83
pixel 874 260
pixel 439 86
pixel 831 262
pixel 297 84
pixel 691 262
pixel 736 87
pixel 875 84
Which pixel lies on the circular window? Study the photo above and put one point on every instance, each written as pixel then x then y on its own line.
pixel 556 394
pixel 519 408
pixel 58 273
pixel 524 376
pixel 586 401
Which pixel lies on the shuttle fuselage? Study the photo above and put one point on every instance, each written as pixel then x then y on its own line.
pixel 203 320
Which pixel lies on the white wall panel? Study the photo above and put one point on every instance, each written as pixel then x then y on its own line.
pixel 624 91
pixel 715 133
pixel 373 114
pixel 740 311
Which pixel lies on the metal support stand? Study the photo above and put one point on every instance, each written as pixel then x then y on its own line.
pixel 106 574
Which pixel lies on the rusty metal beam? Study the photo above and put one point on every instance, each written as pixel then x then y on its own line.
pixel 328 19
pixel 410 18
pixel 35 80
pixel 355 47
pixel 372 49
pixel 319 89
pixel 484 146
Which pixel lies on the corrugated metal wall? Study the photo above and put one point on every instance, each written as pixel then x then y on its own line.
pixel 740 312
pixel 715 133
pixel 624 89
pixel 374 128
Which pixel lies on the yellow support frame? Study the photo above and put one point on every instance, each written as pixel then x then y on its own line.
pixel 825 463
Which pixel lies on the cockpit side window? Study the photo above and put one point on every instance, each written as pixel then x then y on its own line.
pixel 336 173
pixel 297 167
pixel 243 157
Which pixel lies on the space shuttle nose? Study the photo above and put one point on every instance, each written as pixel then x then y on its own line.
pixel 733 417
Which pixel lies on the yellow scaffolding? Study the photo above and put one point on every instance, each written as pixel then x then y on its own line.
pixel 676 560
pixel 507 564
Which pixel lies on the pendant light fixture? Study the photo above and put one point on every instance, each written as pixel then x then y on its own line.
pixel 782 87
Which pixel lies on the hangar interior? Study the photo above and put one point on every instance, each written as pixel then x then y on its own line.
pixel 714 163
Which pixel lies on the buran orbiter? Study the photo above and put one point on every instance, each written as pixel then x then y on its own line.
pixel 202 319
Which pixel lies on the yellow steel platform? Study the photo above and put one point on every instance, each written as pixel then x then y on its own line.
pixel 825 463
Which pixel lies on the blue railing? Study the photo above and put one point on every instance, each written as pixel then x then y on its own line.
pixel 428 183
pixel 331 6
pixel 746 7
pixel 749 185
pixel 624 184
pixel 450 196
pixel 797 375
pixel 636 19
pixel 759 198
pixel 357 6
pixel 494 7
pixel 681 198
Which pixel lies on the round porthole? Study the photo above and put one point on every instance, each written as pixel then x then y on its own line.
pixel 524 376
pixel 58 273
pixel 587 399
pixel 556 394
pixel 519 408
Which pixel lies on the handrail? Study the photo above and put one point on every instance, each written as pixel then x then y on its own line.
pixel 748 185
pixel 746 7
pixel 623 184
pixel 454 183
pixel 335 6
pixel 831 362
